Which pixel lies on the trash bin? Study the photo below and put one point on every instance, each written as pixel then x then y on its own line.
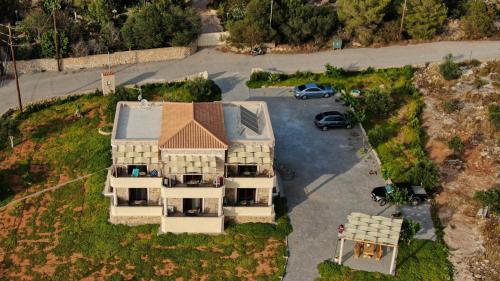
pixel 337 43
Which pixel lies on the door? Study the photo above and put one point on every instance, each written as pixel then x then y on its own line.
pixel 138 196
pixel 314 93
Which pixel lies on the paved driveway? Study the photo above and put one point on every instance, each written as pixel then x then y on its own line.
pixel 331 178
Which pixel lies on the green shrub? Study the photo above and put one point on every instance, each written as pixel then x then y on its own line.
pixel 426 173
pixel 494 114
pixel 378 103
pixel 409 229
pixel 456 144
pixel 331 271
pixel 490 198
pixel 449 69
pixel 334 72
pixel 259 76
pixel 203 90
pixel 48 47
pixel 452 105
pixel 382 133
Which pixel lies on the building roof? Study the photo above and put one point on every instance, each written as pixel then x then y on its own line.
pixel 137 122
pixel 372 229
pixel 238 132
pixel 193 125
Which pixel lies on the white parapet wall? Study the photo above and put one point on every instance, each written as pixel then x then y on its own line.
pixel 192 224
pixel 251 182
pixel 136 211
pixel 192 192
pixel 129 182
pixel 257 211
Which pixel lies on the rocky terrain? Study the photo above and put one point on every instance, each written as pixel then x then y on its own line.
pixel 459 109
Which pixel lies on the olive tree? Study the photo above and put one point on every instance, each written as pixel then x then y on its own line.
pixel 425 18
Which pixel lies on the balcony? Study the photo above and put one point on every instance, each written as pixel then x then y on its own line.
pixel 136 211
pixel 260 182
pixel 249 211
pixel 192 192
pixel 122 177
pixel 192 224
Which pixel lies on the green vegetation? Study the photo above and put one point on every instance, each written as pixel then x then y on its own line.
pixel 421 260
pixel 88 27
pixel 293 22
pixel 362 18
pixel 425 18
pixel 494 114
pixel 457 145
pixel 451 106
pixel 67 236
pixel 409 229
pixel 449 69
pixel 490 198
pixel 479 20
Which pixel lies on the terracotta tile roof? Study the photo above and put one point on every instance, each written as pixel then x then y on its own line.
pixel 193 125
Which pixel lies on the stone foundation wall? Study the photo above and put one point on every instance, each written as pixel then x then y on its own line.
pixel 211 205
pixel 262 195
pixel 118 58
pixel 241 219
pixel 135 220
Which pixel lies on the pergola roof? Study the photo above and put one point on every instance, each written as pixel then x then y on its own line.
pixel 372 229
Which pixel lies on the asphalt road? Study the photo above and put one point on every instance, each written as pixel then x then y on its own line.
pixel 332 179
pixel 231 70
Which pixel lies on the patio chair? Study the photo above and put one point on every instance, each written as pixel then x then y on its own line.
pixel 369 250
pixel 379 253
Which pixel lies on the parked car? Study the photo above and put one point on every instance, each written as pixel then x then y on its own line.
pixel 416 194
pixel 313 90
pixel 332 119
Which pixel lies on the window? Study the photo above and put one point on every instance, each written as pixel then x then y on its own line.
pixel 138 196
pixel 192 206
pixel 140 169
pixel 245 196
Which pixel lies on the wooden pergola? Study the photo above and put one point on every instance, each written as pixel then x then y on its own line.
pixel 377 230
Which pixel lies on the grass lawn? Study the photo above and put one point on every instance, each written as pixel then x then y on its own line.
pixel 64 234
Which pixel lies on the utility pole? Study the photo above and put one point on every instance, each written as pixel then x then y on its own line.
pixel 55 35
pixel 402 20
pixel 271 15
pixel 11 44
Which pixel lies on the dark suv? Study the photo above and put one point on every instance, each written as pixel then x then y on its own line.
pixel 332 119
pixel 416 194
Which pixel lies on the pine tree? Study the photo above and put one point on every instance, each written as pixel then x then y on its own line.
pixel 425 17
pixel 479 20
pixel 362 17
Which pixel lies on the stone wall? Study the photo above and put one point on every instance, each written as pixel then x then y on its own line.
pixel 211 205
pixel 176 202
pixel 231 195
pixel 154 195
pixel 262 195
pixel 103 61
pixel 212 39
pixel 135 220
pixel 245 219
pixel 122 194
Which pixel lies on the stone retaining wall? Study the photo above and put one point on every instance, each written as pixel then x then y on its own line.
pixel 246 219
pixel 96 61
pixel 135 220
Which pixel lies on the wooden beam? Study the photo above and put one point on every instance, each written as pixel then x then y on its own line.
pixel 392 270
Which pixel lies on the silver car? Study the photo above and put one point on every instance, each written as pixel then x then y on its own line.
pixel 313 90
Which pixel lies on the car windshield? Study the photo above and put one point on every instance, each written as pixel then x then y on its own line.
pixel 301 87
pixel 389 188
pixel 321 87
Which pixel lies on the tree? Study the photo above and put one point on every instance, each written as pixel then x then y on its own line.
pixel 253 29
pixel 99 11
pixel 35 23
pixel 479 20
pixel 48 47
pixel 362 17
pixel 398 197
pixel 424 18
pixel 378 103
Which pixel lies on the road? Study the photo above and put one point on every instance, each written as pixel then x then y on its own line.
pixel 231 70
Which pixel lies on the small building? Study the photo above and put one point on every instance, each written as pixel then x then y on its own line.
pixel 371 242
pixel 191 166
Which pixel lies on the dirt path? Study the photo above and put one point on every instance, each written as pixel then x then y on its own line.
pixel 45 190
pixel 209 20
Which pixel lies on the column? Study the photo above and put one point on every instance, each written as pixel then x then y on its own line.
pixel 393 261
pixel 219 208
pixel 115 198
pixel 341 250
pixel 270 201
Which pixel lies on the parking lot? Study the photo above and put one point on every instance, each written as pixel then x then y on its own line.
pixel 332 178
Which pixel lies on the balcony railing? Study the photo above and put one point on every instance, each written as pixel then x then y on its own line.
pixel 123 172
pixel 171 181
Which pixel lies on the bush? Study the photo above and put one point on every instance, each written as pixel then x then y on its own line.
pixel 479 20
pixel 426 173
pixel 425 18
pixel 452 105
pixel 490 198
pixel 409 229
pixel 494 114
pixel 259 76
pixel 329 270
pixel 449 69
pixel 388 32
pixel 48 47
pixel 334 72
pixel 203 90
pixel 456 144
pixel 378 103
pixel 382 133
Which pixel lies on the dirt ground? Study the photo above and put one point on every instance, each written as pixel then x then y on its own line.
pixel 460 108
